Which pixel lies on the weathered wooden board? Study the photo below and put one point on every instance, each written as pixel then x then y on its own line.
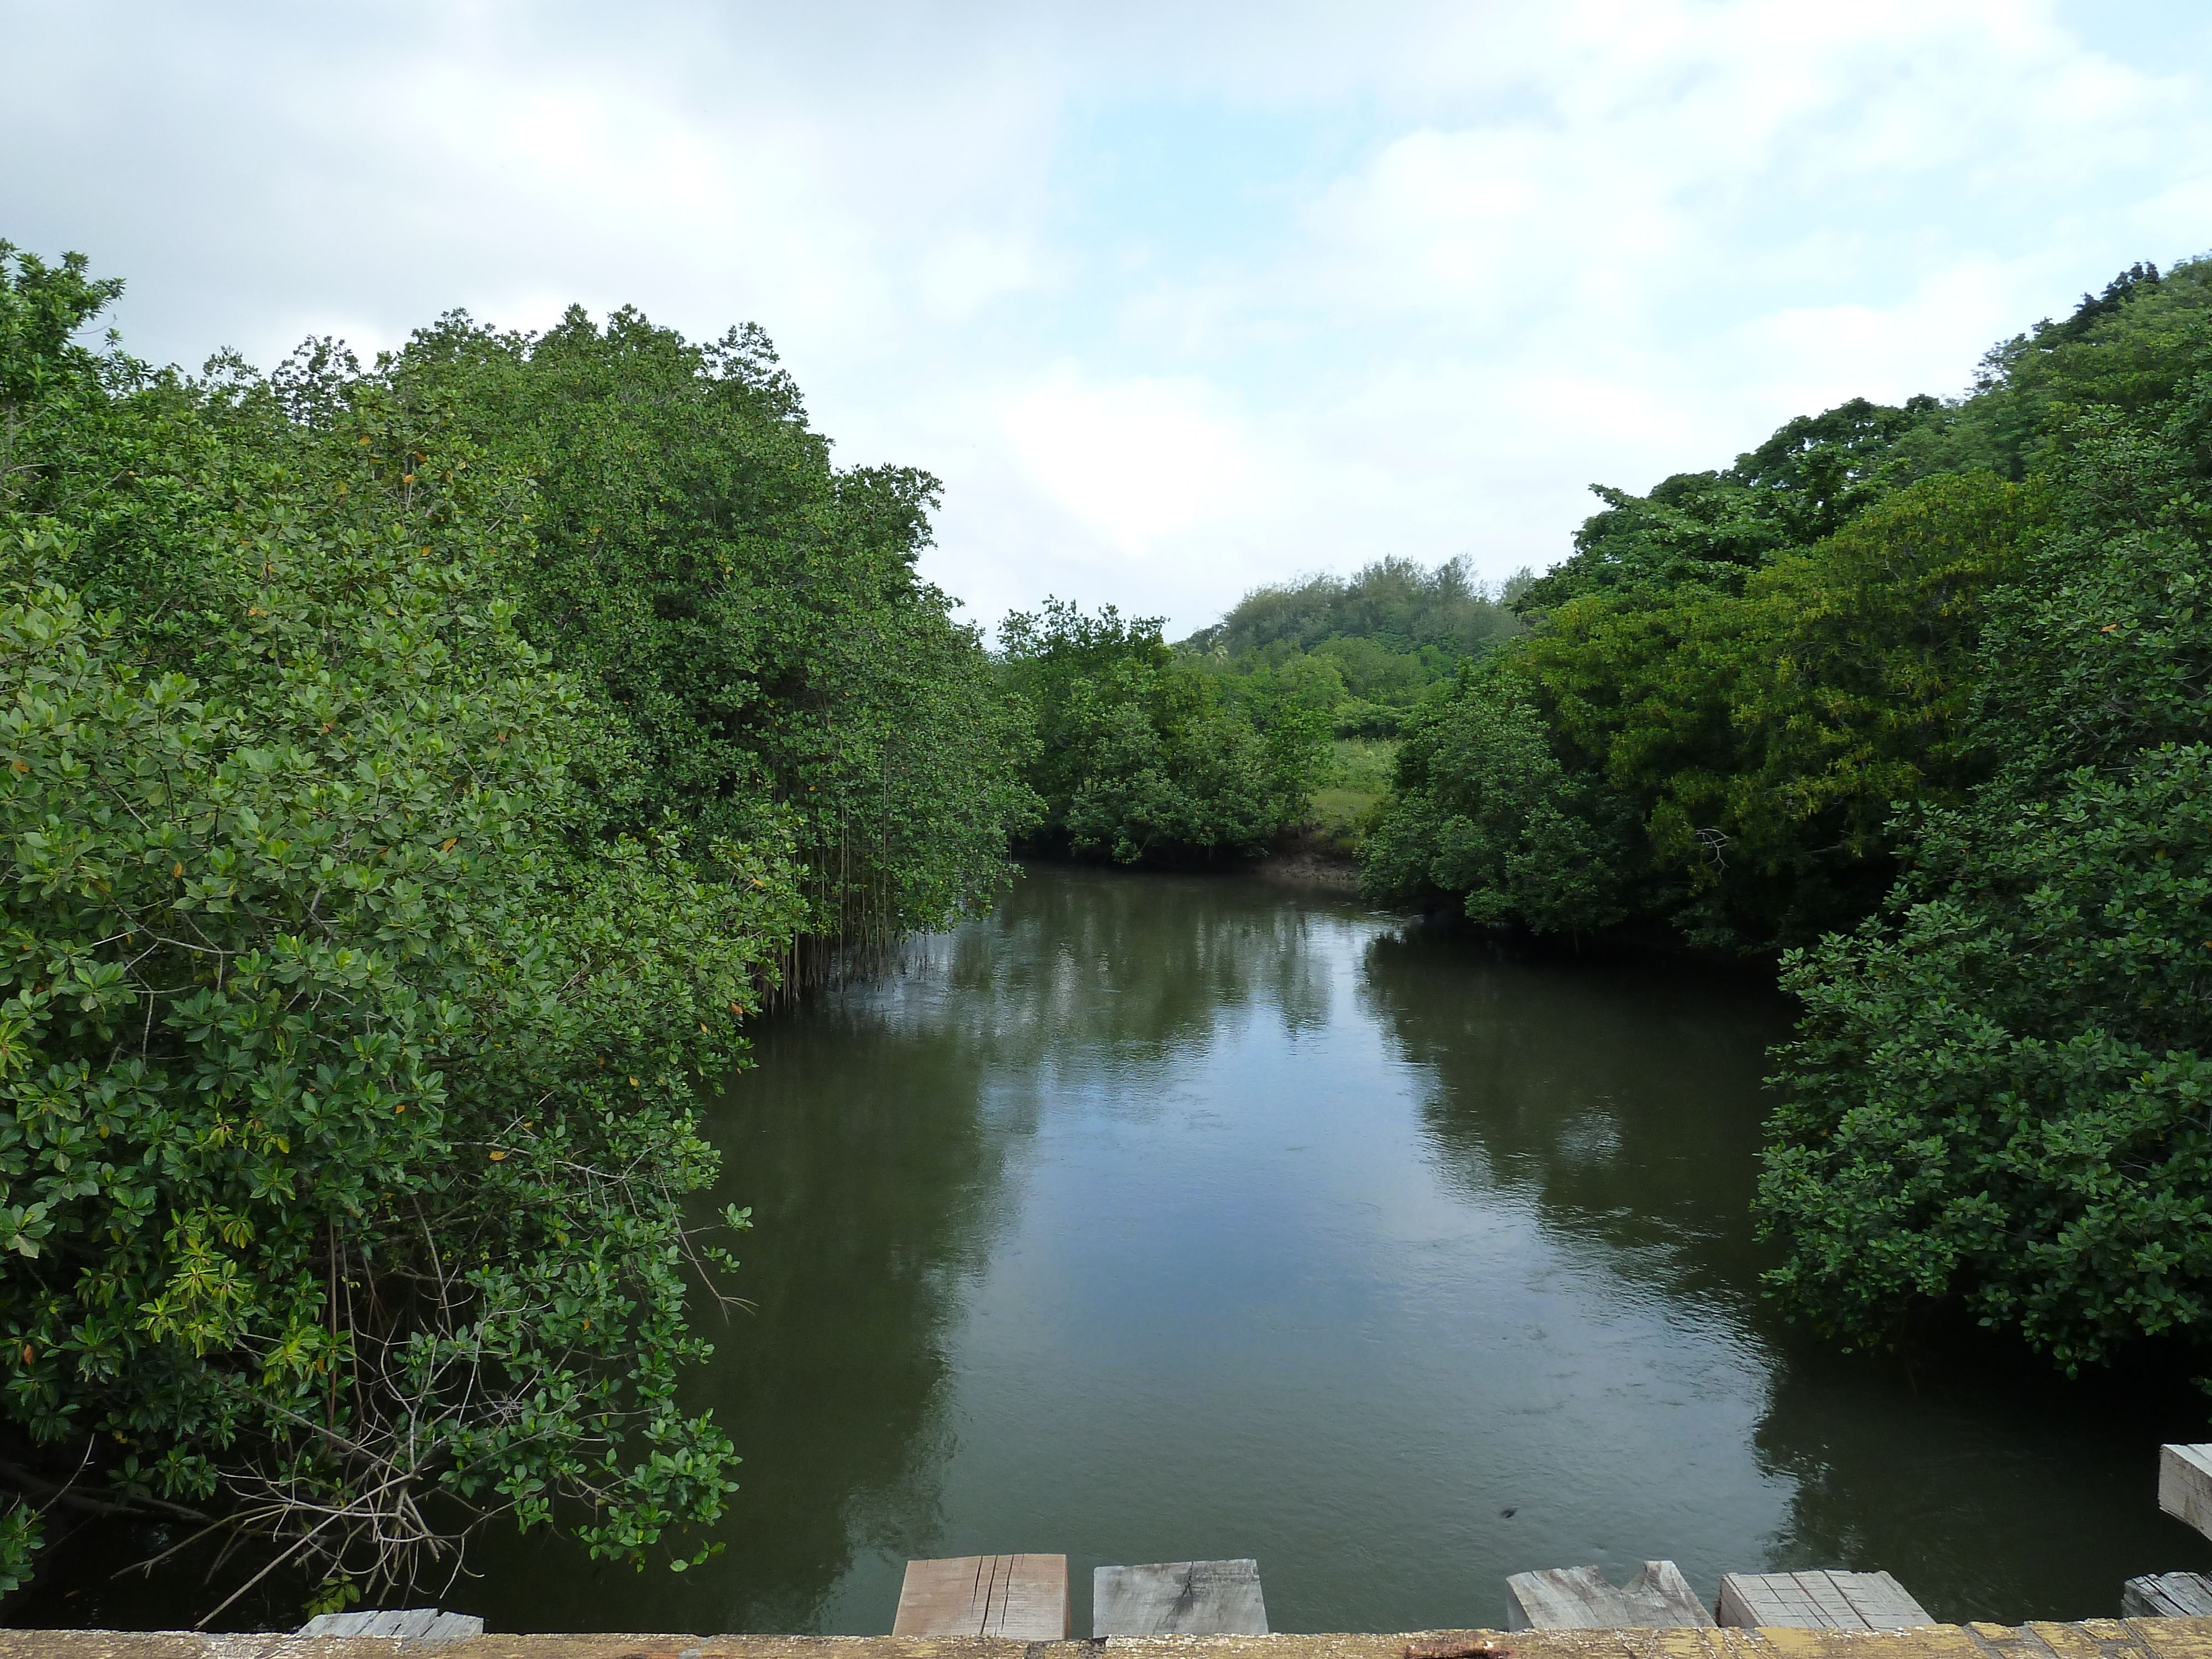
pixel 2184 1485
pixel 421 1626
pixel 1578 1598
pixel 1818 1601
pixel 1021 1597
pixel 2167 1596
pixel 1178 1598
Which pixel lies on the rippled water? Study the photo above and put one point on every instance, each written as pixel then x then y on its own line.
pixel 1158 1218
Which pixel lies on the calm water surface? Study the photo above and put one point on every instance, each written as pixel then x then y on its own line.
pixel 1158 1218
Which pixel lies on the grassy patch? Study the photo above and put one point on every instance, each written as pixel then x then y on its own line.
pixel 1359 779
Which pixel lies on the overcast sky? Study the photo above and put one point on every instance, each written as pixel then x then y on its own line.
pixel 1175 299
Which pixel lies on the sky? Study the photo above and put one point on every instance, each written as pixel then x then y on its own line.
pixel 1175 299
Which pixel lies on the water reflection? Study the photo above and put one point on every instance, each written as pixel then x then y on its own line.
pixel 875 1168
pixel 1078 966
pixel 872 1138
pixel 1625 1100
pixel 1157 1217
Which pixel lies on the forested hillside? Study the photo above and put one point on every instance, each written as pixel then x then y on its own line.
pixel 413 776
pixel 1917 694
pixel 1361 651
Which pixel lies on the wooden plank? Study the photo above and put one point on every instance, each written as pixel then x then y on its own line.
pixel 417 1625
pixel 1557 1598
pixel 1827 1597
pixel 335 1623
pixel 1662 1586
pixel 1759 1600
pixel 2184 1485
pixel 1032 1603
pixel 1763 1600
pixel 1023 1598
pixel 1818 1601
pixel 2167 1596
pixel 1178 1598
pixel 944 1598
pixel 1880 1600
pixel 1579 1598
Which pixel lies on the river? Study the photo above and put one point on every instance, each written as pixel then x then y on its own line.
pixel 1156 1218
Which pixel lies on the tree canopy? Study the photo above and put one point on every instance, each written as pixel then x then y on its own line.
pixel 1139 758
pixel 1357 651
pixel 1914 696
pixel 411 778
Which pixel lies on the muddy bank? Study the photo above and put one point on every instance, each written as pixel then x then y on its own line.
pixel 1309 863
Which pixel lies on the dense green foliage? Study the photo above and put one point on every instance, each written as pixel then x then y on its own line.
pixel 1712 530
pixel 753 612
pixel 1735 748
pixel 1920 691
pixel 1742 672
pixel 1485 810
pixel 1139 756
pixel 1359 652
pixel 1999 1091
pixel 401 819
pixel 411 777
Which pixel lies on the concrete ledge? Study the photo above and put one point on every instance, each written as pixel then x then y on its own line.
pixel 2091 1639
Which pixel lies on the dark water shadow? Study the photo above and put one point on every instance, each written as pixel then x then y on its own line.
pixel 875 1168
pixel 1627 1101
pixel 878 1139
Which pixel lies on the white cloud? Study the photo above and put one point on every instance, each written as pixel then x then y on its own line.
pixel 1135 460
pixel 1404 279
pixel 959 275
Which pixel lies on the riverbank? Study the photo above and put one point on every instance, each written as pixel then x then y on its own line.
pixel 1307 860
pixel 2091 1639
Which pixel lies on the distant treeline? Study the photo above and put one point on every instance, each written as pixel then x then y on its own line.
pixel 1917 695
pixel 1211 750
pixel 411 777
pixel 1139 758
pixel 1359 652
